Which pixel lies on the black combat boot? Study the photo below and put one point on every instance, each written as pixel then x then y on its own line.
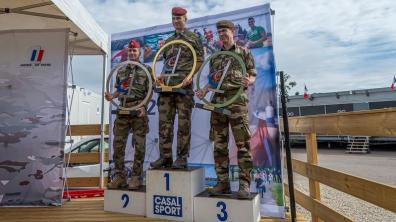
pixel 244 190
pixel 162 163
pixel 180 163
pixel 221 188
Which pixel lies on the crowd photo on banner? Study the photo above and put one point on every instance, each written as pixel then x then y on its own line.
pixel 252 28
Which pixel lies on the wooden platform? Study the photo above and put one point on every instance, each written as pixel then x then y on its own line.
pixel 88 209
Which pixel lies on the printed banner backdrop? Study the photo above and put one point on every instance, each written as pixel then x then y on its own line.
pixel 267 172
pixel 32 116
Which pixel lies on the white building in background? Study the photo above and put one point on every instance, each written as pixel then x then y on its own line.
pixel 341 101
pixel 85 109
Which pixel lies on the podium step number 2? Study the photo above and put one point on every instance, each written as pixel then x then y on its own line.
pixel 125 201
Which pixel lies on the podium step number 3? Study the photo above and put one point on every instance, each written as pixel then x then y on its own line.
pixel 226 208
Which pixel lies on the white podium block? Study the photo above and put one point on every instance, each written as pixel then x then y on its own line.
pixel 226 208
pixel 126 201
pixel 170 192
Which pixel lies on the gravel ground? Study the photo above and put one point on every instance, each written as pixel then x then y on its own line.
pixel 378 166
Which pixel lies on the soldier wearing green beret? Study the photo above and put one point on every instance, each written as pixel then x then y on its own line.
pixel 238 120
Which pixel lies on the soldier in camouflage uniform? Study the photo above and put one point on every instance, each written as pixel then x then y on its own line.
pixel 171 103
pixel 126 123
pixel 239 114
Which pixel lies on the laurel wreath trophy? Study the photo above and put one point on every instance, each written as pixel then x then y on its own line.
pixel 172 63
pixel 125 88
pixel 215 86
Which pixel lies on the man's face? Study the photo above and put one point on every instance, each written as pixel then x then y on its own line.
pixel 160 43
pixel 225 35
pixel 133 54
pixel 179 22
pixel 251 22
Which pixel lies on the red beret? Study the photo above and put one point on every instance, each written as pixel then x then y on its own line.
pixel 178 11
pixel 134 44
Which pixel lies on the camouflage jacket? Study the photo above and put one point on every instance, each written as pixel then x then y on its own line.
pixel 140 86
pixel 233 79
pixel 185 62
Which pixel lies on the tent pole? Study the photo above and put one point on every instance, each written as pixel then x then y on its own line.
pixel 102 128
pixel 32 6
pixel 42 15
pixel 287 148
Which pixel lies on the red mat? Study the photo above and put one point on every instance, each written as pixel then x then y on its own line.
pixel 83 193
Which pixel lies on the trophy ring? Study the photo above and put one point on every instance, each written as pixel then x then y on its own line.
pixel 165 87
pixel 220 107
pixel 133 110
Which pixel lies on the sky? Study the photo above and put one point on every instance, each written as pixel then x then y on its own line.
pixel 328 45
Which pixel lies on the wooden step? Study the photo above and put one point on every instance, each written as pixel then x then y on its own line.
pixel 87 209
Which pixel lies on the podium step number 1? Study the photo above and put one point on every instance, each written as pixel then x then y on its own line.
pixel 170 193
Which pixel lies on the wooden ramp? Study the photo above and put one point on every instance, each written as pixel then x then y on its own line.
pixel 89 209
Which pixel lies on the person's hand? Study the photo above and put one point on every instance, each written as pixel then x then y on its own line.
pixel 186 82
pixel 247 81
pixel 108 96
pixel 142 111
pixel 201 93
pixel 160 79
pixel 249 44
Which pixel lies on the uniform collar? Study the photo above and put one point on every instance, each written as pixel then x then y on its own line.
pixel 133 66
pixel 179 34
pixel 233 48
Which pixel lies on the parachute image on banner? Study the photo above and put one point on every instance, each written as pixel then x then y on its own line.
pixel 251 25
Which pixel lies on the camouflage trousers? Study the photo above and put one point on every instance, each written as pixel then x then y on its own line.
pixel 220 133
pixel 168 106
pixel 123 125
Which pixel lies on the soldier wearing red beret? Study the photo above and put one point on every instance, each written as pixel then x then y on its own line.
pixel 123 124
pixel 171 103
pixel 179 11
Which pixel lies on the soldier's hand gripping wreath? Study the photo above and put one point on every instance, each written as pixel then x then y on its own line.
pixel 183 55
pixel 133 89
pixel 232 70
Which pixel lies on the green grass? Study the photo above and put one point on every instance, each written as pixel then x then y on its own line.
pixel 277 193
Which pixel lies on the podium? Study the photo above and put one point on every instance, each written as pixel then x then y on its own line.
pixel 170 193
pixel 226 208
pixel 180 195
pixel 126 201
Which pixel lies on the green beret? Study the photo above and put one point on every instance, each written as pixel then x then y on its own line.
pixel 225 24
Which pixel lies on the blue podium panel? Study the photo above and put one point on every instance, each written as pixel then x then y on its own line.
pixel 126 201
pixel 170 193
pixel 226 208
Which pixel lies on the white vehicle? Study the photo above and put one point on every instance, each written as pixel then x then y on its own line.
pixel 87 145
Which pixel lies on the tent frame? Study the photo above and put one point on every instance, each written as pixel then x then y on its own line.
pixel 22 10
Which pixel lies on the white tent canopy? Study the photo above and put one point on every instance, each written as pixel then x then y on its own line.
pixel 88 38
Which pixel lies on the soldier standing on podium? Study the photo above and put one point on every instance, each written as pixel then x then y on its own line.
pixel 238 119
pixel 124 123
pixel 170 103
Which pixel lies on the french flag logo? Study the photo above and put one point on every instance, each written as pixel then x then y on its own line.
pixel 37 54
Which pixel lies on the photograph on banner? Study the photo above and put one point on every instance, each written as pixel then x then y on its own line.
pixel 122 47
pixel 252 30
pixel 32 116
pixel 152 43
